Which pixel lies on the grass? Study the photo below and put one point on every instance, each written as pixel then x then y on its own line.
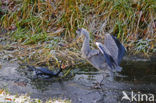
pixel 44 31
pixel 54 23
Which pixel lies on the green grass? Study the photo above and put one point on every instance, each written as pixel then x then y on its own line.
pixel 132 21
pixel 25 36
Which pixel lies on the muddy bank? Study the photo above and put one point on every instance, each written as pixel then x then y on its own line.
pixel 137 76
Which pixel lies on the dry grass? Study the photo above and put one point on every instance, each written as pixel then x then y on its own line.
pixel 37 21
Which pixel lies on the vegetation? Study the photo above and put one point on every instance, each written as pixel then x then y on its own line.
pixel 6 97
pixel 52 24
pixel 43 31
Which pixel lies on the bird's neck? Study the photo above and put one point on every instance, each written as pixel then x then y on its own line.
pixel 85 47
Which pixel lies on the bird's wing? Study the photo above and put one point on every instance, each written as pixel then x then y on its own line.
pixel 92 53
pixel 45 70
pixel 121 49
pixel 115 48
pixel 109 59
pixel 110 44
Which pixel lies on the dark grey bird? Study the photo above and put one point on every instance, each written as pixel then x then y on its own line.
pixel 108 55
pixel 44 72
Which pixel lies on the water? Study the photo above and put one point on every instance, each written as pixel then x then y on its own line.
pixel 138 76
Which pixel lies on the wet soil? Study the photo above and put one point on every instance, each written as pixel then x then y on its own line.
pixel 138 76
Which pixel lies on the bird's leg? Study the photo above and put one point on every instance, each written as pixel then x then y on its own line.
pixel 111 74
pixel 102 80
pixel 98 85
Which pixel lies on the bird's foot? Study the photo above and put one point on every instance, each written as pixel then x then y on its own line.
pixel 97 85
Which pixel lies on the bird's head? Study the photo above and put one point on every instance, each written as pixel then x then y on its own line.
pixel 83 32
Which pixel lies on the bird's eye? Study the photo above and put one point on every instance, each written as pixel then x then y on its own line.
pixel 78 29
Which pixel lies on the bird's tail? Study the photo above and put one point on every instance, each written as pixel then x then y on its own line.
pixel 118 69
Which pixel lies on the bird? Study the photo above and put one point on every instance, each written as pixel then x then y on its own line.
pixel 44 72
pixel 107 56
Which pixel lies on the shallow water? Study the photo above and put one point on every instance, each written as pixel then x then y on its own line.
pixel 137 76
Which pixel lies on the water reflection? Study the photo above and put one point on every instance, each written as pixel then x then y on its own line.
pixel 140 71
